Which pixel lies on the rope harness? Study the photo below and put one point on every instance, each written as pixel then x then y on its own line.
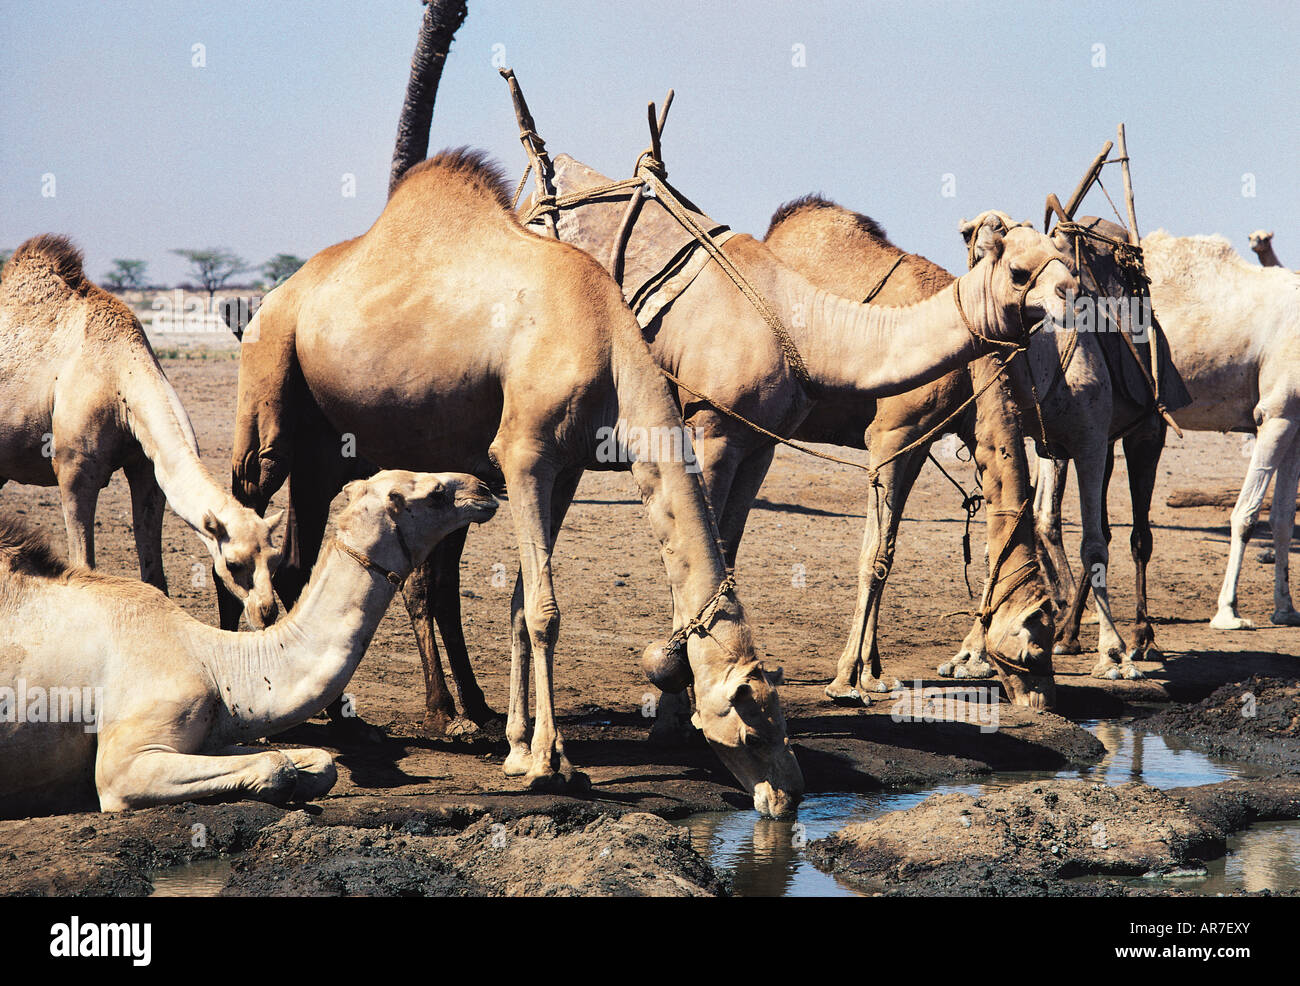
pixel 699 624
pixel 370 565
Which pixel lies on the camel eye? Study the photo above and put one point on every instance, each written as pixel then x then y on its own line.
pixel 1019 274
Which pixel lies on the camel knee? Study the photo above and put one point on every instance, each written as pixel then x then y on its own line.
pixel 543 624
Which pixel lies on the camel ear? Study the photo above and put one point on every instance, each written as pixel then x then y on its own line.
pixel 775 677
pixel 396 503
pixel 967 227
pixel 273 521
pixel 212 524
pixel 353 489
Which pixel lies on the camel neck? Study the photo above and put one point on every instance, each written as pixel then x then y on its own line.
pixel 875 351
pixel 153 413
pixel 270 680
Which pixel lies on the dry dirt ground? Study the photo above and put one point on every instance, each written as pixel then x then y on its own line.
pixel 797 574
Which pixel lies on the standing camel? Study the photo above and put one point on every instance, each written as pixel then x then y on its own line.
pixel 82 395
pixel 1235 331
pixel 148 705
pixel 710 336
pixel 447 333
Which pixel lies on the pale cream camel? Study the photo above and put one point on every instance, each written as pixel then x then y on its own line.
pixel 108 688
pixel 1261 242
pixel 845 251
pixel 82 395
pixel 1235 332
pixel 448 333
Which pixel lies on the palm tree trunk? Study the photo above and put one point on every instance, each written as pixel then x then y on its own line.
pixel 442 18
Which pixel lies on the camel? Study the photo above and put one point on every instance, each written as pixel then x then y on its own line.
pixel 1235 331
pixel 711 336
pixel 448 333
pixel 163 702
pixel 83 396
pixel 1261 242
pixel 1081 410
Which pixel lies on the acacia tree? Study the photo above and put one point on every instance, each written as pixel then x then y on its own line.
pixel 126 275
pixel 281 267
pixel 213 267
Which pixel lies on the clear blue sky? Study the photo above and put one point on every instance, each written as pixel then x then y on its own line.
pixel 151 153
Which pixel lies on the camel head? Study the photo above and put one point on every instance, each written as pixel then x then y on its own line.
pixel 739 712
pixel 1015 265
pixel 397 517
pixel 244 557
pixel 1261 240
pixel 1019 646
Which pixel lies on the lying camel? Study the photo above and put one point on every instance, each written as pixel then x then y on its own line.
pixel 82 395
pixel 448 333
pixel 163 701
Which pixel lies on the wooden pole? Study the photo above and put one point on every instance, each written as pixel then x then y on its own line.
pixel 534 146
pixel 1086 182
pixel 1133 237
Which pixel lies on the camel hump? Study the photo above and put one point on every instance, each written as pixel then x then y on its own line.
pixel 814 201
pixel 25 549
pixel 54 251
pixel 474 168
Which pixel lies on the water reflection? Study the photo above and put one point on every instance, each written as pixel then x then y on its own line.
pixel 765 856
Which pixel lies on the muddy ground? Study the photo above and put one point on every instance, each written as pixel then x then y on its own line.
pixel 797 574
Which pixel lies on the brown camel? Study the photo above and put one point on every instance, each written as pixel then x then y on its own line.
pixel 449 334
pixel 83 396
pixel 1261 243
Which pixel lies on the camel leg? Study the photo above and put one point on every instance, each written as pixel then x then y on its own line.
pixel 79 486
pixel 1282 517
pixel 1049 496
pixel 1113 661
pixel 1142 450
pixel 875 560
pixel 128 777
pixel 147 507
pixel 419 592
pixel 1274 436
pixel 746 481
pixel 446 611
pixel 538 501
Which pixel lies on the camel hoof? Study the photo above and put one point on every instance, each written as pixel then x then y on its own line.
pixel 1106 670
pixel 880 687
pixel 947 669
pixel 845 695
pixel 1151 655
pixel 518 763
pixel 976 667
pixel 1231 621
pixel 1286 618
pixel 1129 673
pixel 1266 557
pixel 1067 647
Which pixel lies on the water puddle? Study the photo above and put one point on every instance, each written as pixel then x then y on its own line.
pixel 765 858
pixel 201 878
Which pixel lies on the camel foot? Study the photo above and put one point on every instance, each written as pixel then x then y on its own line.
pixel 1110 669
pixel 518 762
pixel 1286 618
pixel 844 694
pixel 1266 557
pixel 1071 646
pixel 1226 619
pixel 317 774
pixel 1150 654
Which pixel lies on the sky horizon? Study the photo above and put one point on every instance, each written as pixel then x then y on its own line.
pixel 140 127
